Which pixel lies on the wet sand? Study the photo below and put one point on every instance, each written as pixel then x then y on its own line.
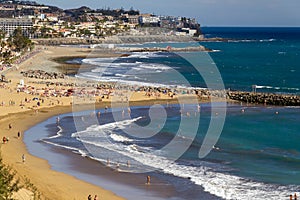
pixel 128 185
pixel 50 183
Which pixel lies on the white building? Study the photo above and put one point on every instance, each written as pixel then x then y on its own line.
pixel 154 20
pixel 188 31
pixel 8 25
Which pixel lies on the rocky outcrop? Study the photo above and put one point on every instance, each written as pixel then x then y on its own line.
pixel 216 39
pixel 66 41
pixel 265 98
pixel 40 74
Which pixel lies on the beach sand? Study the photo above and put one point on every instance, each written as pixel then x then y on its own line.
pixel 23 114
pixel 51 184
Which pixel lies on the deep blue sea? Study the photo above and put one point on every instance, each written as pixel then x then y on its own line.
pixel 257 155
pixel 267 57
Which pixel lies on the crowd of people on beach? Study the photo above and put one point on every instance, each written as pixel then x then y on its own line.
pixel 107 90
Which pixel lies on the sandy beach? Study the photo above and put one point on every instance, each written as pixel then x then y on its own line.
pixel 51 184
pixel 35 102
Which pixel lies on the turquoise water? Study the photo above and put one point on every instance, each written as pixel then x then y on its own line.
pixel 257 155
pixel 262 145
pixel 258 56
pixel 266 57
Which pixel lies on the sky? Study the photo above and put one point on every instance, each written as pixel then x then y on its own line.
pixel 207 12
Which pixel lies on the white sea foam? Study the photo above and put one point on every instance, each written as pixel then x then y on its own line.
pixel 146 55
pixel 123 75
pixel 155 66
pixel 93 131
pixel 131 82
pixel 245 40
pixel 119 138
pixel 58 134
pixel 123 70
pixel 215 50
pixel 275 87
pixel 75 150
pixel 253 40
pixel 97 60
pixel 137 73
pixel 218 183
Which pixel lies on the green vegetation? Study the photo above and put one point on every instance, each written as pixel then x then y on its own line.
pixel 28 185
pixel 8 181
pixel 19 41
pixel 13 47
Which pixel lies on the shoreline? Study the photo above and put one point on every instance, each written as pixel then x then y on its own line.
pixel 87 169
pixel 60 185
pixel 36 168
pixel 57 185
pixel 98 173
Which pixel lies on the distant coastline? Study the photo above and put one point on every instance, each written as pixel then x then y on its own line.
pixel 112 40
pixel 125 40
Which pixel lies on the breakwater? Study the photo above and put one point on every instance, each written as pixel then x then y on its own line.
pixel 154 49
pixel 265 98
pixel 122 39
pixel 67 41
pixel 40 74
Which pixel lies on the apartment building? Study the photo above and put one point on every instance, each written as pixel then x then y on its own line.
pixel 8 25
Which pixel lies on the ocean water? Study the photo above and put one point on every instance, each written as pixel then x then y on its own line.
pixel 266 57
pixel 183 69
pixel 257 155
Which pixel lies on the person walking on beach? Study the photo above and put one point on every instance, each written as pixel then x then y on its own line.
pixel 148 180
pixel 96 197
pixel 23 158
pixel 90 197
pixel 295 196
pixel 4 140
pixel 128 163
pixel 19 134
